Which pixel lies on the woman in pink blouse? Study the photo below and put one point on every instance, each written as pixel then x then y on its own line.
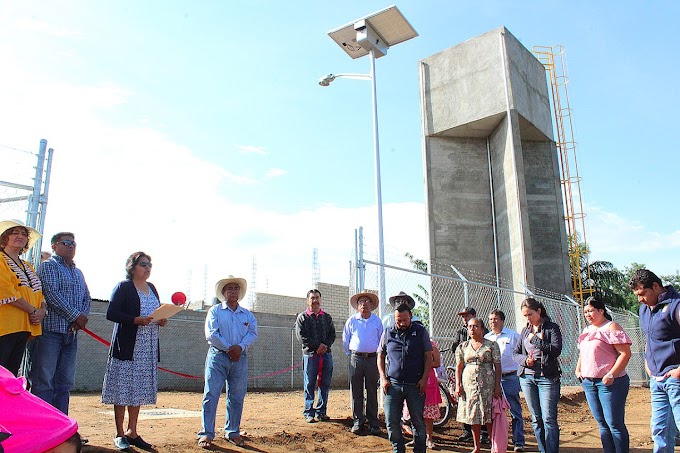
pixel 604 353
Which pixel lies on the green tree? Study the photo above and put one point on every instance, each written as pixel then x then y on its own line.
pixel 607 282
pixel 422 296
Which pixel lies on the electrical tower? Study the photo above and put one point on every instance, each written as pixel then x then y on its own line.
pixel 554 60
pixel 316 272
pixel 253 285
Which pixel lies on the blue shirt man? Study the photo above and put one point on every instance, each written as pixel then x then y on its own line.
pixel 507 340
pixel 52 362
pixel 660 322
pixel 361 338
pixel 230 330
pixel 407 348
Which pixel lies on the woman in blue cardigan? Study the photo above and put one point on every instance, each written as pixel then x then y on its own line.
pixel 539 372
pixel 131 377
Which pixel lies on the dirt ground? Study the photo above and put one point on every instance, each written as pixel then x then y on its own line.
pixel 272 422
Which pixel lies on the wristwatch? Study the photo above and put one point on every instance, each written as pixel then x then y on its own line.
pixel 609 375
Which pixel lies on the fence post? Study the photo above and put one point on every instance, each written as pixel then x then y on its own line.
pixel 466 295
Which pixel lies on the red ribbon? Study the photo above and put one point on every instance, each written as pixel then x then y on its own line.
pixel 189 376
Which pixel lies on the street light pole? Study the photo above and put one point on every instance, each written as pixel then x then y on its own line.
pixel 378 191
pixel 373 35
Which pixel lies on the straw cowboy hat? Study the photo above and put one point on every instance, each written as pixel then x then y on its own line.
pixel 33 234
pixel 353 301
pixel 403 299
pixel 241 282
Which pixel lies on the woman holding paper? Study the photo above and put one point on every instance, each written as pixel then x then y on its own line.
pixel 131 377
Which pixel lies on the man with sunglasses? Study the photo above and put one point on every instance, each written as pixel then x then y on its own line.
pixel 52 362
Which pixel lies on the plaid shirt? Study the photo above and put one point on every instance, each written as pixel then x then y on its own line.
pixel 65 292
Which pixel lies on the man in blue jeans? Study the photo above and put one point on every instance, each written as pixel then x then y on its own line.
pixel 230 330
pixel 408 351
pixel 507 340
pixel 52 360
pixel 660 321
pixel 314 328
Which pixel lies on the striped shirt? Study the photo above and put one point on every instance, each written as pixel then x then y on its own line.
pixel 65 292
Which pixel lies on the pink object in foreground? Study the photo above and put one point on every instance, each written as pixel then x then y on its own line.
pixel 499 432
pixel 35 425
pixel 178 298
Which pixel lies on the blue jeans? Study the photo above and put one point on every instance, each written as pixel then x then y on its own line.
pixel 510 386
pixel 393 405
pixel 608 405
pixel 220 369
pixel 53 367
pixel 542 394
pixel 311 373
pixel 665 413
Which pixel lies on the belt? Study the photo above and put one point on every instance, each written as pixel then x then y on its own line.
pixel 365 354
pixel 504 375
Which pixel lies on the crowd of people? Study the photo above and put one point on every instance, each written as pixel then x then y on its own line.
pixel 41 313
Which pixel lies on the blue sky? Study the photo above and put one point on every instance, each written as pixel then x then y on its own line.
pixel 197 131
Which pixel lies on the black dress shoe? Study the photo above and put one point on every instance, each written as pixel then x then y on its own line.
pixel 139 442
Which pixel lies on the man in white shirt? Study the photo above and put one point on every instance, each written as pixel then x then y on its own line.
pixel 507 340
pixel 361 338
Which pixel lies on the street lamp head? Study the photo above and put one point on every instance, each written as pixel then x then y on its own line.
pixel 326 80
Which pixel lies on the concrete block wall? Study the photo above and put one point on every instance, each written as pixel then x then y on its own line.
pixel 273 360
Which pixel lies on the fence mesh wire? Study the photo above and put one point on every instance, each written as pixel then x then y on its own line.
pixel 448 294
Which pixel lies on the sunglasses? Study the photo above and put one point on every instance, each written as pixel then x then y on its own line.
pixel 145 264
pixel 67 243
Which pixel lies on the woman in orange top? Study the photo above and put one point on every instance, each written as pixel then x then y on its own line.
pixel 22 305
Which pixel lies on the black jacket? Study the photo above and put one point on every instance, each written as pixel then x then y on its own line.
pixel 123 309
pixel 550 346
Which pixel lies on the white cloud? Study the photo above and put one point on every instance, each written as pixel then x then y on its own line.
pixel 123 189
pixel 34 25
pixel 621 240
pixel 275 172
pixel 251 149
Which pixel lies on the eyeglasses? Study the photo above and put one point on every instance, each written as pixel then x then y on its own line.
pixel 145 264
pixel 67 243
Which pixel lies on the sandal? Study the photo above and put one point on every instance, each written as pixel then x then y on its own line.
pixel 204 442
pixel 238 441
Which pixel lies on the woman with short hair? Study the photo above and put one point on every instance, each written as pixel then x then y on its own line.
pixel 131 378
pixel 478 380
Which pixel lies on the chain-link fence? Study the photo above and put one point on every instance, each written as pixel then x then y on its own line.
pixel 444 296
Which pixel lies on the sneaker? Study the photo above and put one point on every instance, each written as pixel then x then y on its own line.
pixel 323 417
pixel 466 437
pixel 355 428
pixel 519 448
pixel 121 443
pixel 309 419
pixel 375 431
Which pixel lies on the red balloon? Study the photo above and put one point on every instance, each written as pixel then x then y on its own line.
pixel 178 298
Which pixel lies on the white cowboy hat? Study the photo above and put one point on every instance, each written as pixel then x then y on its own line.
pixel 241 282
pixel 33 234
pixel 402 298
pixel 353 301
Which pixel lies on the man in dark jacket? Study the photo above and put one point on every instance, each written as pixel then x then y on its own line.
pixel 407 348
pixel 659 320
pixel 314 328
